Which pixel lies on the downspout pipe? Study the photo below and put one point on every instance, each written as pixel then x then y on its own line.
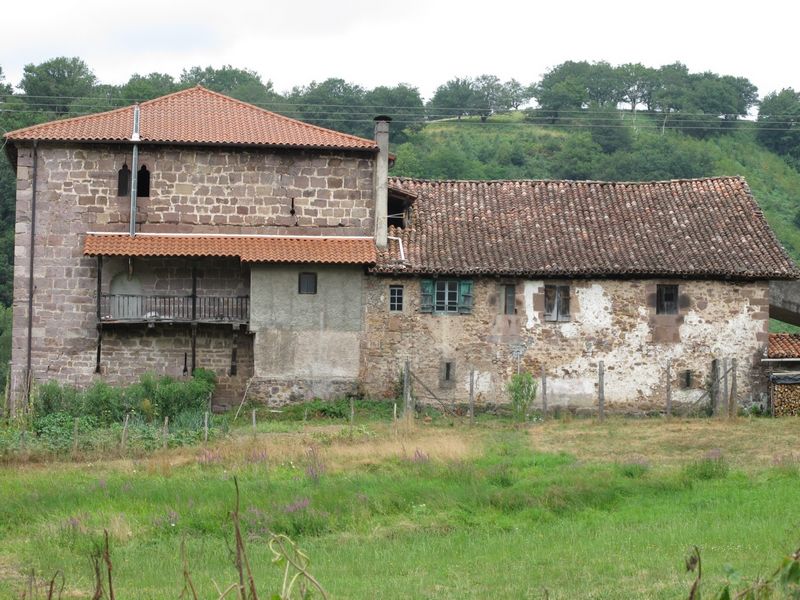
pixel 134 168
pixel 31 251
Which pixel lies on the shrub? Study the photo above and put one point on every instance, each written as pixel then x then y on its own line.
pixel 522 389
pixel 53 398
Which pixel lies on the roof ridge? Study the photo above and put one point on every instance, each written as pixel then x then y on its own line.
pixel 264 110
pixel 574 181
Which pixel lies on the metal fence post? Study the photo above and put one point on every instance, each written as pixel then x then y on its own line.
pixel 601 391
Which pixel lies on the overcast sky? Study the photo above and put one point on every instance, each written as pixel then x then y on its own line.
pixel 293 42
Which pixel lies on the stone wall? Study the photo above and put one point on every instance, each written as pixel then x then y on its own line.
pixel 611 320
pixel 192 190
pixel 215 190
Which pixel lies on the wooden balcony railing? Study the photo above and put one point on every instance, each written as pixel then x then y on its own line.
pixel 127 308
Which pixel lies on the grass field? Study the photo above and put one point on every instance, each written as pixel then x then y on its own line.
pixel 562 509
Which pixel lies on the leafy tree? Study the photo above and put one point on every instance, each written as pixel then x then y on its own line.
pixel 243 84
pixel 488 97
pixel 514 94
pixel 55 83
pixel 453 99
pixel 402 103
pixel 5 88
pixel 146 87
pixel 608 130
pixel 672 92
pixel 778 125
pixel 563 90
pixel 335 104
pixel 604 85
pixel 636 84
pixel 578 158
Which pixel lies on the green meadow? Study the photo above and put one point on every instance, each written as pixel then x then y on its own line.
pixel 561 509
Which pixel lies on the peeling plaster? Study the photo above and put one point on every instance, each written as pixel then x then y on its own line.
pixel 483 382
pixel 595 307
pixel 531 288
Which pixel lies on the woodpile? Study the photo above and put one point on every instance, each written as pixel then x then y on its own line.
pixel 786 399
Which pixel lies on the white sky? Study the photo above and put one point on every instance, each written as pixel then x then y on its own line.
pixel 293 42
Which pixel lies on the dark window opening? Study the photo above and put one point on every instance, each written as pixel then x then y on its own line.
pixel 143 182
pixel 509 299
pixel 687 379
pixel 556 303
pixel 396 298
pixel 123 181
pixel 396 213
pixel 666 299
pixel 307 283
pixel 448 371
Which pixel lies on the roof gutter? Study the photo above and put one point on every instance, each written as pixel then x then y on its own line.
pixel 400 243
pixel 134 168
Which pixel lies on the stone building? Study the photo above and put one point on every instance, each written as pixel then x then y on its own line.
pixel 195 230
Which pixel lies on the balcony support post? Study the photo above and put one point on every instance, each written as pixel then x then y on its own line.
pixel 194 293
pixel 99 347
pixel 194 347
pixel 99 286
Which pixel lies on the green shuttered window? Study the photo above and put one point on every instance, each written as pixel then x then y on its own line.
pixel 446 296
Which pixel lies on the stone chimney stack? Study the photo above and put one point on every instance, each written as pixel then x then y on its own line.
pixel 382 180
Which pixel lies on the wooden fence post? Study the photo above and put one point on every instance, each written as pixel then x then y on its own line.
pixel 725 394
pixel 352 412
pixel 75 435
pixel 669 388
pixel 715 387
pixel 733 405
pixel 253 418
pixel 406 391
pixel 205 427
pixel 601 391
pixel 124 440
pixel 472 397
pixel 544 394
pixel 165 432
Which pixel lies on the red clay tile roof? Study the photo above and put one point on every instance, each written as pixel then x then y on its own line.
pixel 784 345
pixel 194 116
pixel 709 228
pixel 327 250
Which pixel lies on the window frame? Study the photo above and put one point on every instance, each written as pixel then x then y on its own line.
pixel 561 311
pixel 509 294
pixel 663 306
pixel 300 277
pixel 429 296
pixel 396 298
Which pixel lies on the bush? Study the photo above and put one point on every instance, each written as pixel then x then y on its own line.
pixel 522 389
pixel 153 398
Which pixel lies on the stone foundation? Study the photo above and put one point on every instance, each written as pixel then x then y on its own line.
pixel 278 392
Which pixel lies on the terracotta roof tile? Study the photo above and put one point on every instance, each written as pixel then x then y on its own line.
pixel 327 250
pixel 194 116
pixel 784 345
pixel 698 228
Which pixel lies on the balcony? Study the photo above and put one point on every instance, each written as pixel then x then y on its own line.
pixel 152 309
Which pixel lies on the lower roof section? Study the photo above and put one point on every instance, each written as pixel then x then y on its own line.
pixel 248 248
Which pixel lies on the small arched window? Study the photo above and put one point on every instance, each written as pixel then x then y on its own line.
pixel 123 181
pixel 143 182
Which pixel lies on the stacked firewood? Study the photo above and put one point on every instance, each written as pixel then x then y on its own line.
pixel 786 399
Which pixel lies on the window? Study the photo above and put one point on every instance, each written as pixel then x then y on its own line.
pixel 556 303
pixel 143 182
pixel 396 298
pixel 509 299
pixel 447 373
pixel 123 181
pixel 307 283
pixel 666 299
pixel 449 296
